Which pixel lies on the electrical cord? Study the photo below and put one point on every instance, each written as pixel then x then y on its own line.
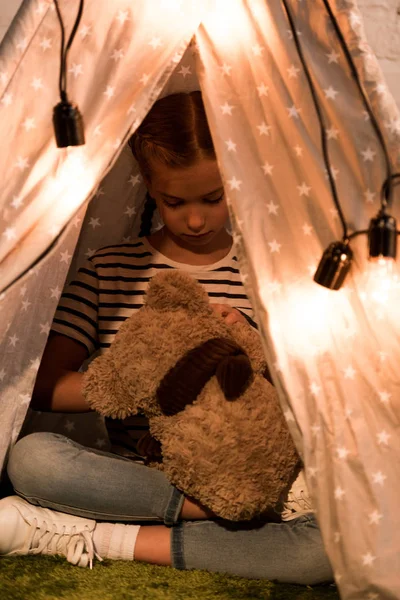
pixel 64 52
pixel 388 185
pixel 324 138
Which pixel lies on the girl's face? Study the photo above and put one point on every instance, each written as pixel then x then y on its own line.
pixel 190 201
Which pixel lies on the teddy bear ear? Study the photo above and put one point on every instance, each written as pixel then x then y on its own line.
pixel 174 290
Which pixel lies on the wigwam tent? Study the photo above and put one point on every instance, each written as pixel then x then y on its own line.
pixel 304 157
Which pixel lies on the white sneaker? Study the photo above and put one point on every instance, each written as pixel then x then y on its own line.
pixel 298 501
pixel 29 529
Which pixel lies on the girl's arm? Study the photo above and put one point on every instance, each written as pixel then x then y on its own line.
pixel 58 384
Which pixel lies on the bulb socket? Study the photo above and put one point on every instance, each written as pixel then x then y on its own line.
pixel 68 125
pixel 334 266
pixel 382 237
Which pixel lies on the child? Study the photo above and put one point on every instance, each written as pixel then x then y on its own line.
pixel 89 494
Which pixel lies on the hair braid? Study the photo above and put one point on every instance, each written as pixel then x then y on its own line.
pixel 147 216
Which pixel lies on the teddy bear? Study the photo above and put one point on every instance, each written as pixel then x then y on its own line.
pixel 213 414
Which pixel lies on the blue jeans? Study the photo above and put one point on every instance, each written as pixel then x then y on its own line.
pixel 52 471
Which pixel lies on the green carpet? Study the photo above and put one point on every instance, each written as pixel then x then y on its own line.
pixel 52 578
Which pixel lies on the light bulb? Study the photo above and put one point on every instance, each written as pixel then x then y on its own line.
pixel 380 280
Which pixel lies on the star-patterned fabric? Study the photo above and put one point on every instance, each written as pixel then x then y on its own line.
pixel 332 354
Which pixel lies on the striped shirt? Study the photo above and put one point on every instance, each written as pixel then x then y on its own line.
pixel 112 285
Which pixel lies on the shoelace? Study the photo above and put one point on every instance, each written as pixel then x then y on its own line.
pixel 72 544
pixel 302 499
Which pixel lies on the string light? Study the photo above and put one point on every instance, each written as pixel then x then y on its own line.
pixel 67 120
pixel 382 232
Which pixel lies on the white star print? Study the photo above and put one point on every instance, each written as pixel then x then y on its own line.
pixel 332 133
pixel 383 438
pixel 298 150
pixel 22 44
pixel 375 517
pixel 339 493
pixel 349 372
pixel 22 291
pixel 342 453
pixel 368 154
pixel 2 374
pixel 304 189
pixel 76 70
pixel 257 50
pixel 368 559
pixel 10 233
pixel 226 109
pixel 274 287
pixel 94 222
pixel 89 252
pixel 109 92
pixel 35 364
pixel 100 442
pixel 293 71
pixel 44 328
pixel 7 99
pixel 381 89
pixel 272 208
pixel 355 19
pixel 289 416
pixel 17 202
pixel 384 397
pixel 85 31
pixel 293 112
pixel 312 472
pixel 131 109
pixel 307 229
pixel 262 90
pixel 100 192
pixel 134 180
pixel 155 42
pixel 315 388
pixel 117 55
pixel 379 477
pixel 394 126
pixel 130 210
pixel 264 129
pixel 123 15
pixel 25 305
pixel 234 183
pixel 333 57
pixel 267 168
pixel 331 93
pixel 335 172
pixel 98 130
pixel 184 71
pixel 274 247
pixel 315 429
pixel 37 84
pixel 69 425
pixel 3 77
pixel 231 145
pixel 369 196
pixel 373 596
pixel 226 69
pixel 65 257
pixel 45 44
pixel 25 399
pixel 12 340
pixel 55 292
pixel 117 144
pixel 144 78
pixel 21 163
pixel 29 124
pixel 336 537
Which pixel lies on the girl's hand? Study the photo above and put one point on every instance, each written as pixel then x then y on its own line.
pixel 228 313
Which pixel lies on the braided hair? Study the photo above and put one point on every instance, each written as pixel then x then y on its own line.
pixel 174 133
